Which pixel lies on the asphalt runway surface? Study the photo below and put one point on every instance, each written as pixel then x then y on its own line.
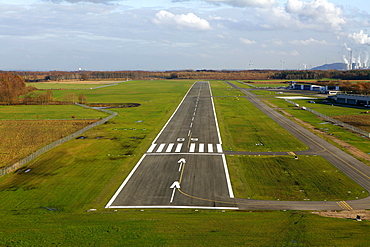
pixel 185 165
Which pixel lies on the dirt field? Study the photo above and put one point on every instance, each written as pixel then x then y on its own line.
pixel 361 122
pixel 365 215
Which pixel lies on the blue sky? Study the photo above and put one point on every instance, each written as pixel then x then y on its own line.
pixel 181 34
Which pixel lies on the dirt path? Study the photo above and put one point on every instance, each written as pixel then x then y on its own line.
pixel 365 215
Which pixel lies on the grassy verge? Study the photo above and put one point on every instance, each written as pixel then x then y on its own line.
pixel 285 178
pixel 340 133
pixel 182 228
pixel 245 128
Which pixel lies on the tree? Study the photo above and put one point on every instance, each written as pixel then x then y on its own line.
pixel 82 99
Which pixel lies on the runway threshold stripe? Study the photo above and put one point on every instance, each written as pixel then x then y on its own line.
pixel 219 148
pixel 178 148
pixel 201 147
pixel 192 148
pixel 152 148
pixel 169 148
pixel 161 147
pixel 210 148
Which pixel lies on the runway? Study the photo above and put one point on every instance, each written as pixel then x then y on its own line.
pixel 185 165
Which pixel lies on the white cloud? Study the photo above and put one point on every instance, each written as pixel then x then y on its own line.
pixel 308 42
pixel 360 38
pixel 319 14
pixel 182 21
pixel 245 3
pixel 247 41
pixel 81 1
pixel 283 53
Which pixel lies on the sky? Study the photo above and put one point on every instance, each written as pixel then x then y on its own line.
pixel 182 34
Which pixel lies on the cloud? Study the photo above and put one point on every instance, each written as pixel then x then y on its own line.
pixel 245 3
pixel 182 21
pixel 316 13
pixel 247 41
pixel 80 1
pixel 308 42
pixel 360 38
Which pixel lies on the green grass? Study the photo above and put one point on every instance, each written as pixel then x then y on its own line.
pixel 285 178
pixel 19 112
pixel 80 175
pixel 243 126
pixel 181 228
pixel 339 132
pixel 56 86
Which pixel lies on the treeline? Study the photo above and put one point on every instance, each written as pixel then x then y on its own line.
pixel 11 87
pixel 13 90
pixel 31 76
pixel 355 88
pixel 321 74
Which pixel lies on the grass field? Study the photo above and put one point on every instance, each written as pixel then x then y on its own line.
pixel 48 205
pixel 348 113
pixel 285 178
pixel 21 112
pixel 181 228
pixel 244 127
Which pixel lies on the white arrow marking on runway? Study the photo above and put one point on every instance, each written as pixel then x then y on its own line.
pixel 174 186
pixel 181 162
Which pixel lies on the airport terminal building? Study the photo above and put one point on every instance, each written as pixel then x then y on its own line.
pixel 352 99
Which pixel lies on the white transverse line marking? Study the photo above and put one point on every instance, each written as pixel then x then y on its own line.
pixel 169 148
pixel 201 147
pixel 161 147
pixel 151 148
pixel 192 148
pixel 210 148
pixel 178 148
pixel 219 148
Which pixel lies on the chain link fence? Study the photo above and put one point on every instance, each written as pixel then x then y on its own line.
pixel 332 120
pixel 43 150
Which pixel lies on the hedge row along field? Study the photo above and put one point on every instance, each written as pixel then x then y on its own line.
pixel 21 138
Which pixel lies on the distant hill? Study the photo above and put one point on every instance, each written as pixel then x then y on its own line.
pixel 336 66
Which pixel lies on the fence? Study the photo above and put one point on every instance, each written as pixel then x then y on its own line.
pixel 42 150
pixel 332 120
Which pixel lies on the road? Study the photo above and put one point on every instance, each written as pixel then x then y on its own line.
pixel 185 165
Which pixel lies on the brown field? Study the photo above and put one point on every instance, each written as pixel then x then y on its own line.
pixel 359 121
pixel 20 138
